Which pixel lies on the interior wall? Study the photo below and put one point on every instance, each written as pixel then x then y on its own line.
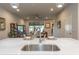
pixel 49 30
pixel 9 18
pixel 12 18
pixel 68 18
pixel 78 21
pixel 26 23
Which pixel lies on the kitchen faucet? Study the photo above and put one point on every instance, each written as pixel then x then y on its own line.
pixel 40 40
pixel 35 34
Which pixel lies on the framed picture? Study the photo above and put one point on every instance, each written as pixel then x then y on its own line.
pixel 2 23
pixel 47 25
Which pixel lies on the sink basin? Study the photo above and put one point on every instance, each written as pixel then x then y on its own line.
pixel 43 47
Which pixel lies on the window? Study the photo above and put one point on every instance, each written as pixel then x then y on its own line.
pixel 36 26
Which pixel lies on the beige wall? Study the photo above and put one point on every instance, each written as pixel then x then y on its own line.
pixel 10 18
pixel 26 22
pixel 78 21
pixel 49 29
pixel 68 17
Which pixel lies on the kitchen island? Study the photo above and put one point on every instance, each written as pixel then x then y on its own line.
pixel 15 45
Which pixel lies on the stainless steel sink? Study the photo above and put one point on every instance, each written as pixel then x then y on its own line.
pixel 43 47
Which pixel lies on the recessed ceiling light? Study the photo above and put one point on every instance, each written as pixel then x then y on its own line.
pixel 18 10
pixel 60 5
pixel 14 5
pixel 51 9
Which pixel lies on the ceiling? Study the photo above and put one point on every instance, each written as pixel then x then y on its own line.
pixel 31 9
